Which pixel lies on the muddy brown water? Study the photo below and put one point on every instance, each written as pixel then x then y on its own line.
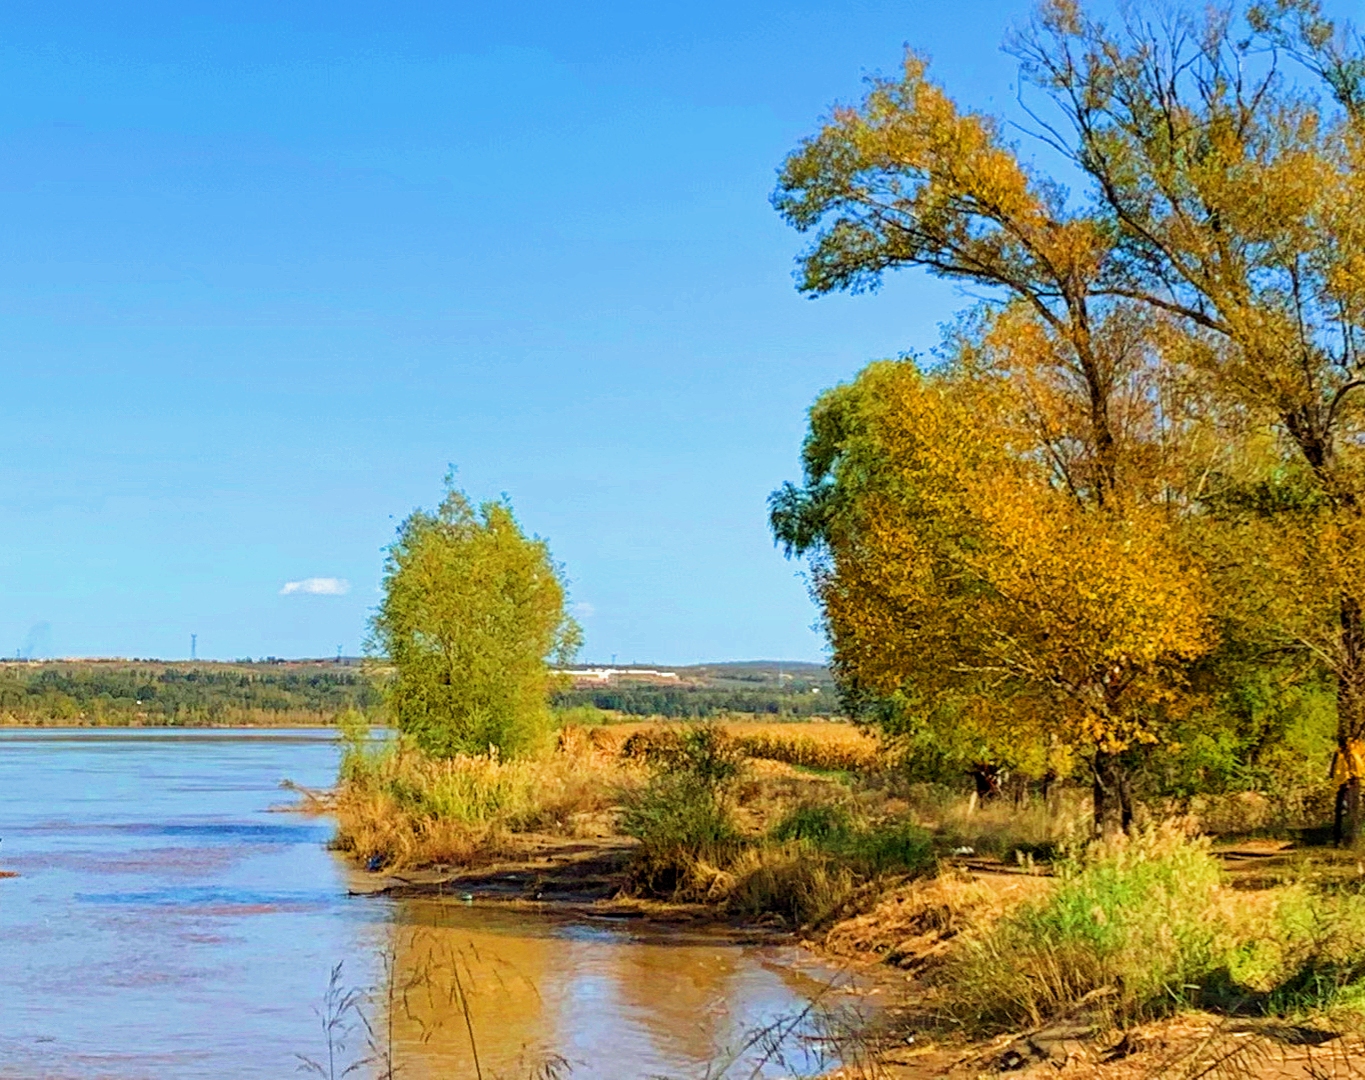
pixel 170 920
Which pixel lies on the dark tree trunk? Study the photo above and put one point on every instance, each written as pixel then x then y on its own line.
pixel 1346 821
pixel 1350 724
pixel 987 778
pixel 1112 797
pixel 1047 784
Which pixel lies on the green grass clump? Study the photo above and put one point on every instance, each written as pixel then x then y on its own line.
pixel 1147 925
pixel 821 824
pixel 1307 957
pixel 867 848
pixel 819 858
pixel 1131 931
pixel 684 815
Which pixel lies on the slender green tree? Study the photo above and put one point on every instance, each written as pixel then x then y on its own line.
pixel 472 615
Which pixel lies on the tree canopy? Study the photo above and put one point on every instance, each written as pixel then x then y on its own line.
pixel 1148 440
pixel 472 612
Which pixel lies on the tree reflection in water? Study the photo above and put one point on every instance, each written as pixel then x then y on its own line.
pixel 493 994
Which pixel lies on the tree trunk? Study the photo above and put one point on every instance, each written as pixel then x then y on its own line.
pixel 1125 796
pixel 987 779
pixel 1350 724
pixel 1048 784
pixel 1346 822
pixel 1113 802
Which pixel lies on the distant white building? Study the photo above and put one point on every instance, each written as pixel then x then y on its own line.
pixel 607 674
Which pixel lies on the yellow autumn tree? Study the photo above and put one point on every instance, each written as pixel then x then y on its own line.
pixel 954 558
pixel 1226 160
pixel 1093 437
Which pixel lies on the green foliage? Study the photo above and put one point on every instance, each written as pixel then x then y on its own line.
pixel 867 848
pixel 677 815
pixel 472 611
pixel 685 811
pixel 823 825
pixel 361 754
pixel 1264 730
pixel 1307 958
pixel 1129 929
pixel 1144 925
pixel 889 846
pixel 936 739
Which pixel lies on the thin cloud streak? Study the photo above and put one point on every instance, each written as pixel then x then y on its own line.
pixel 317 586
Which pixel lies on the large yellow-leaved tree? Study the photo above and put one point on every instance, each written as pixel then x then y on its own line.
pixel 953 561
pixel 1073 518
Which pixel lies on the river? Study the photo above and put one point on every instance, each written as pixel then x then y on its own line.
pixel 173 918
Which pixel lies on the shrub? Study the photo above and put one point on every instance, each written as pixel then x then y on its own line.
pixel 889 846
pixel 472 611
pixel 802 884
pixel 818 857
pixel 1130 929
pixel 1307 956
pixel 686 804
pixel 684 815
pixel 866 848
pixel 820 824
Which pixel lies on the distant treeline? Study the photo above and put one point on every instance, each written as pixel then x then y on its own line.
pixel 223 694
pixel 104 693
pixel 687 702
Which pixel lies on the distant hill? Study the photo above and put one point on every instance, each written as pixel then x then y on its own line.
pixel 793 689
pixel 755 671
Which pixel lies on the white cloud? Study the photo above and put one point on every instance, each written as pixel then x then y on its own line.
pixel 583 610
pixel 317 586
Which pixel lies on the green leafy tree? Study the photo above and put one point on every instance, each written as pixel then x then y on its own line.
pixel 473 611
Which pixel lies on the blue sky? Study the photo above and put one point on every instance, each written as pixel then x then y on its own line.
pixel 265 270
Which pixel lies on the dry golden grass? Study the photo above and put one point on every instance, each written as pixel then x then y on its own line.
pixel 397 808
pixel 914 926
pixel 835 746
pixel 999 826
pixel 789 880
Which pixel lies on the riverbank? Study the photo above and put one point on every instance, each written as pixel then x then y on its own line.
pixel 169 858
pixel 900 947
pixel 995 938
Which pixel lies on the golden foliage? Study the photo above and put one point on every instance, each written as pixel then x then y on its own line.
pixel 961 565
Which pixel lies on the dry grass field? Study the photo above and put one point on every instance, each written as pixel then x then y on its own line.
pixel 832 745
